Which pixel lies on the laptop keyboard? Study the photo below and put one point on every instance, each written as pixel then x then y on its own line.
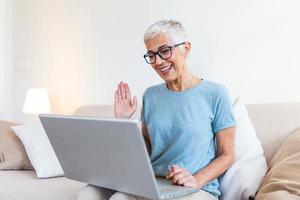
pixel 168 190
pixel 165 185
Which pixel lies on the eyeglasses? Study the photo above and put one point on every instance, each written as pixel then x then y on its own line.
pixel 163 52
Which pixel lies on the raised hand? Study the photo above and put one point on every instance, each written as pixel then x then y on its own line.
pixel 124 106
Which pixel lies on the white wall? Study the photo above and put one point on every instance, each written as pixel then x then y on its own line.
pixel 2 11
pixel 80 50
pixel 5 60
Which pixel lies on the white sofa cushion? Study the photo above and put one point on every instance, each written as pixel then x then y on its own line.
pixel 39 150
pixel 244 177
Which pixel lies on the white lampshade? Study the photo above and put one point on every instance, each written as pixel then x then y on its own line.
pixel 36 102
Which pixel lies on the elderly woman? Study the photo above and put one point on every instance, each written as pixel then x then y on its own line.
pixel 187 122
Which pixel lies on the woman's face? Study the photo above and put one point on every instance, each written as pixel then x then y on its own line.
pixel 172 68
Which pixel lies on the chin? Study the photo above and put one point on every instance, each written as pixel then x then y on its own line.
pixel 167 78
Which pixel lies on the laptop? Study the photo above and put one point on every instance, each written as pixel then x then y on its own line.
pixel 109 153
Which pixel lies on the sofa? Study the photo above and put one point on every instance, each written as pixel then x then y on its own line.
pixel 273 123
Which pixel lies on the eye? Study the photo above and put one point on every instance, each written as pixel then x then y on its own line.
pixel 151 55
pixel 164 51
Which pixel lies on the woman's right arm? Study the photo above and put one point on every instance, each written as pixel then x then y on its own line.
pixel 125 107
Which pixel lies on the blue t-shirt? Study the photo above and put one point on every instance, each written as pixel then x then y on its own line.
pixel 182 126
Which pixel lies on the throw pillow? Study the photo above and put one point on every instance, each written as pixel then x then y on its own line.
pixel 39 150
pixel 283 179
pixel 12 152
pixel 244 177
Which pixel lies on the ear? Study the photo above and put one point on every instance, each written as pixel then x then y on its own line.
pixel 187 49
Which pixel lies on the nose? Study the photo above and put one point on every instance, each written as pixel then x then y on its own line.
pixel 158 60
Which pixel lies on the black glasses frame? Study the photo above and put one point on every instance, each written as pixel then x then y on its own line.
pixel 158 53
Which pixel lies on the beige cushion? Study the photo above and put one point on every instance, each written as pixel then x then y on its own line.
pixel 12 152
pixel 273 123
pixel 283 179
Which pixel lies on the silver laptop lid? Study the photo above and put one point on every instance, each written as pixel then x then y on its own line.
pixel 109 153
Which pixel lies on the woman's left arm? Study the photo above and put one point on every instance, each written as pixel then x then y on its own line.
pixel 224 159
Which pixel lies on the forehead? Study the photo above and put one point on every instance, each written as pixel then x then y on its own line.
pixel 156 42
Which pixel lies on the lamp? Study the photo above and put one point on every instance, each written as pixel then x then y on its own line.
pixel 37 101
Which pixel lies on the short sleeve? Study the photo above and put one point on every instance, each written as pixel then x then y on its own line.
pixel 223 111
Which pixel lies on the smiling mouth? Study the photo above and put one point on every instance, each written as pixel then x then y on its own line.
pixel 165 69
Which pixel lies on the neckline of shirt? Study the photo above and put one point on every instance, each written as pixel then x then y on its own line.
pixel 184 91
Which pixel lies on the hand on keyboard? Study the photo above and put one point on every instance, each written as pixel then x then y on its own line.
pixel 181 176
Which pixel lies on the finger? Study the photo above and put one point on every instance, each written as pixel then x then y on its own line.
pixel 127 91
pixel 170 172
pixel 120 90
pixel 175 171
pixel 134 103
pixel 184 179
pixel 179 176
pixel 116 97
pixel 123 91
pixel 118 86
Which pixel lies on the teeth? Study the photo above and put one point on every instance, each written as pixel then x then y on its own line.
pixel 165 68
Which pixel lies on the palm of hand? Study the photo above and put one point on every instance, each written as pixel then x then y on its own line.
pixel 124 106
pixel 124 109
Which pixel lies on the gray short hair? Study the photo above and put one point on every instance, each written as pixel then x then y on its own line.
pixel 172 29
